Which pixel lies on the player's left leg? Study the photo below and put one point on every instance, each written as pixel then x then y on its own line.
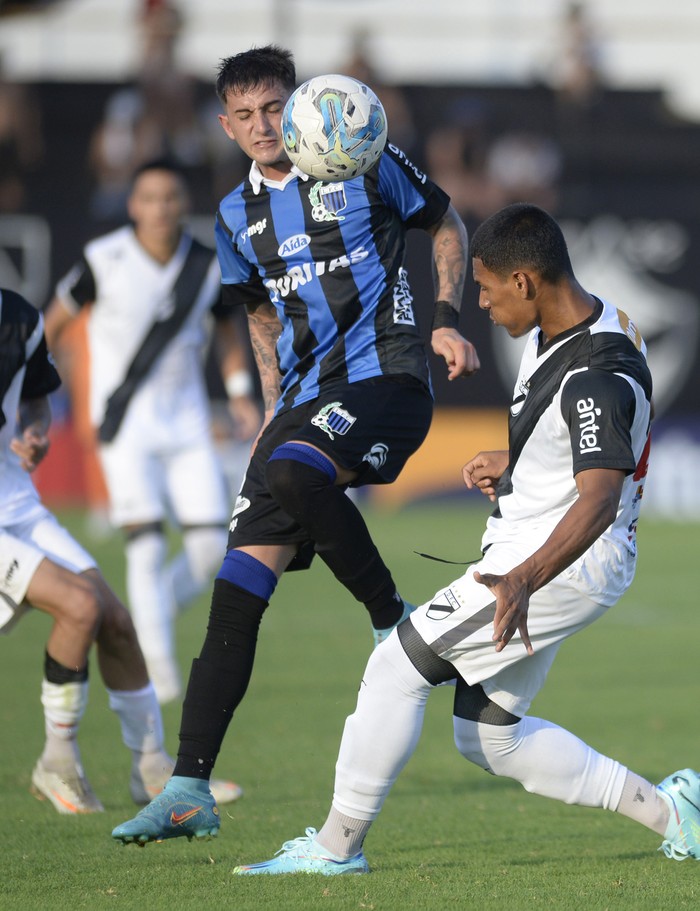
pixel 552 762
pixel 199 500
pixel 363 435
pixel 378 739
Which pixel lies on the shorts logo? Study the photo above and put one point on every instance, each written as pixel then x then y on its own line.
pixel 11 571
pixel 377 455
pixel 242 503
pixel 443 606
pixel 332 419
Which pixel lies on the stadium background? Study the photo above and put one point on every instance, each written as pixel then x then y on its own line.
pixel 480 98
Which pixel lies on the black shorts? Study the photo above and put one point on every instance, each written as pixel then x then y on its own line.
pixel 371 427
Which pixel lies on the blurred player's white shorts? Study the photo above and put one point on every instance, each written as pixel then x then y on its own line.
pixel 457 623
pixel 22 548
pixel 186 484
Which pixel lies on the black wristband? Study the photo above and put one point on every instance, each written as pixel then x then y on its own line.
pixel 445 316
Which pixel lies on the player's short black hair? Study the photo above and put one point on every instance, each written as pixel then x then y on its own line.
pixel 158 164
pixel 522 236
pixel 257 67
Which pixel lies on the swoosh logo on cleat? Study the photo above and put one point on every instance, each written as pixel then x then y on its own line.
pixel 177 819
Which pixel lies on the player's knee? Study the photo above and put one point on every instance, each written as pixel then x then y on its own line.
pixel 489 746
pixel 117 628
pixel 83 608
pixel 204 548
pixel 294 470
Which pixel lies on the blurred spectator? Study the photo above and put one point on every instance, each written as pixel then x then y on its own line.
pixel 360 65
pixel 455 155
pixel 21 143
pixel 156 117
pixel 576 71
pixel 526 168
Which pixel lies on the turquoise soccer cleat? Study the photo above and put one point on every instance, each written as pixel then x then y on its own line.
pixel 682 793
pixel 305 855
pixel 381 634
pixel 185 807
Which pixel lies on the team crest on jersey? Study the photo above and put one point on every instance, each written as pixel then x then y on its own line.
pixel 519 400
pixel 377 455
pixel 403 300
pixel 328 200
pixel 444 605
pixel 332 419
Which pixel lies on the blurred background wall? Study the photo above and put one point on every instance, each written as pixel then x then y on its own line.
pixel 590 109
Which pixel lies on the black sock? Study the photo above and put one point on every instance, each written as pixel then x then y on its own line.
pixel 340 534
pixel 219 677
pixel 55 672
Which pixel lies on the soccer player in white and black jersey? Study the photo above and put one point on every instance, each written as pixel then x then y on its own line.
pixel 559 550
pixel 320 270
pixel 151 290
pixel 42 566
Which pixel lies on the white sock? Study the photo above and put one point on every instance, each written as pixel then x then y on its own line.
pixel 341 835
pixel 642 802
pixel 152 608
pixel 64 706
pixel 193 569
pixel 139 717
pixel 545 759
pixel 382 733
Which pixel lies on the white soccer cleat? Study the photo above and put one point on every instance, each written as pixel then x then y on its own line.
pixel 68 790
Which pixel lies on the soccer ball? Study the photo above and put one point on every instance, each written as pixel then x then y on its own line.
pixel 334 127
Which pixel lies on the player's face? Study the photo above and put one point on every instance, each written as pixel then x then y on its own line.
pixel 157 204
pixel 505 299
pixel 253 119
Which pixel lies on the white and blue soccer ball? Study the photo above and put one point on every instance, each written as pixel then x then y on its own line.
pixel 334 127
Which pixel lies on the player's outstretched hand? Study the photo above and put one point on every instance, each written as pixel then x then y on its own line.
pixel 459 353
pixel 512 602
pixel 484 470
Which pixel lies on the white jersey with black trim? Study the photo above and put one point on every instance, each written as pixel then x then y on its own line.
pixel 25 372
pixel 131 292
pixel 581 401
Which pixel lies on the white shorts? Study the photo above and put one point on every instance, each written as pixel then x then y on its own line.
pixel 457 624
pixel 22 548
pixel 186 485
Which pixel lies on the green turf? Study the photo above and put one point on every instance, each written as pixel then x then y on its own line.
pixel 450 835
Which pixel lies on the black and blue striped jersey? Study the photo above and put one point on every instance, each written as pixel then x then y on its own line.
pixel 330 257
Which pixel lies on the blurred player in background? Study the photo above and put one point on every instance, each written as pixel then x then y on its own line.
pixel 42 566
pixel 558 551
pixel 345 385
pixel 151 288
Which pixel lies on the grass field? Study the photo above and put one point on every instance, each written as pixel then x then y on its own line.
pixel 450 836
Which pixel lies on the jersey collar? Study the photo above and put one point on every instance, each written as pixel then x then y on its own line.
pixel 257 180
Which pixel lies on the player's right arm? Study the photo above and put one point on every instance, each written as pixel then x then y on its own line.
pixel 74 291
pixel 265 329
pixel 56 318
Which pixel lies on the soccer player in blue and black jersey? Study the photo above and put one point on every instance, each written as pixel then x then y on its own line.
pixel 319 267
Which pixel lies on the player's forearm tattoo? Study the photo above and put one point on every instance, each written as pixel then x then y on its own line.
pixel 450 251
pixel 265 330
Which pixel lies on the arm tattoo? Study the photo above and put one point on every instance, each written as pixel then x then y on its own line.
pixel 265 330
pixel 450 251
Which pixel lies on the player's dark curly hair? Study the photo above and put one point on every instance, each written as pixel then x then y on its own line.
pixel 260 66
pixel 522 236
